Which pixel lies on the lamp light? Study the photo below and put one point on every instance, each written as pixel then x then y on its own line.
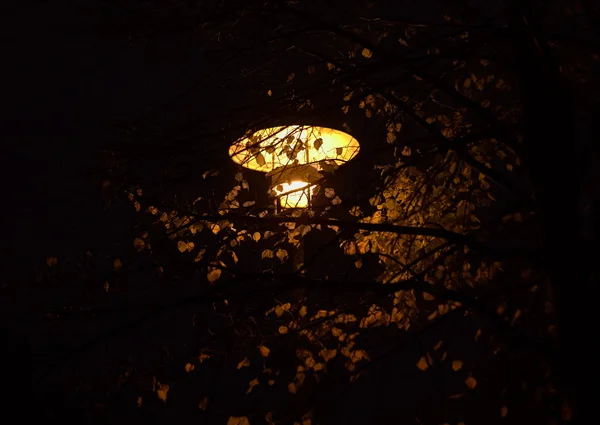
pixel 294 157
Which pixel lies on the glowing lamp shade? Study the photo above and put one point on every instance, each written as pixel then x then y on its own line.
pixel 293 145
pixel 293 156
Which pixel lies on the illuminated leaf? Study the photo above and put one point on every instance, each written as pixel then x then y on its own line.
pixel 203 405
pixel 267 253
pixel 189 367
pixel 366 53
pixel 200 255
pixel 358 263
pixel 269 93
pixel 252 384
pixel 161 392
pixel 302 311
pixel 239 177
pixel 292 388
pixel 243 363
pixel 330 66
pixel 336 201
pixel 183 246
pixel 213 275
pixel 260 159
pixel 318 143
pixel 282 254
pixel 427 296
pixel 139 244
pixel 283 330
pixel 423 364
pixel 238 420
pixel 471 382
pixel 457 365
pixel 291 77
pixel 256 236
pixel 391 137
pixel 406 151
pixel 117 264
pixel 264 351
pixel 329 192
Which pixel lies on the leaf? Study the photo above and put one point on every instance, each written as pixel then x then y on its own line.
pixel 427 296
pixel 291 77
pixel 213 275
pixel 391 137
pixel 189 367
pixel 239 177
pixel 269 93
pixel 139 244
pixel 200 255
pixel 282 254
pixel 503 411
pixel 339 151
pixel 422 364
pixel 318 143
pixel 162 391
pixel 302 311
pixel 292 388
pixel 203 405
pixel 336 201
pixel 252 384
pixel 260 159
pixel 117 264
pixel 406 151
pixel 243 363
pixel 267 253
pixel 264 351
pixel 457 365
pixel 366 53
pixel 283 330
pixel 330 66
pixel 238 420
pixel 471 382
pixel 329 192
pixel 183 246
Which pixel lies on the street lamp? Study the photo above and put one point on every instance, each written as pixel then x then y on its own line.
pixel 294 157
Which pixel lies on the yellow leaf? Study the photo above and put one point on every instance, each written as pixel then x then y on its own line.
pixel 282 254
pixel 457 365
pixel 252 384
pixel 264 351
pixel 318 143
pixel 213 275
pixel 427 296
pixel 422 364
pixel 189 367
pixel 503 411
pixel 162 391
pixel 358 263
pixel 366 53
pixel 292 388
pixel 330 66
pixel 138 244
pixel 269 93
pixel 243 363
pixel 291 77
pixel 271 382
pixel 267 253
pixel 117 264
pixel 329 192
pixel 302 311
pixel 283 330
pixel 238 420
pixel 200 255
pixel 203 405
pixel 471 382
pixel 256 236
pixel 183 246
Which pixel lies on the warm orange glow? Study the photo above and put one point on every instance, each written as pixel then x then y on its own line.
pixel 297 199
pixel 293 145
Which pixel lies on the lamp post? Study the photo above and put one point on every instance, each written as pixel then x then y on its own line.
pixel 294 158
